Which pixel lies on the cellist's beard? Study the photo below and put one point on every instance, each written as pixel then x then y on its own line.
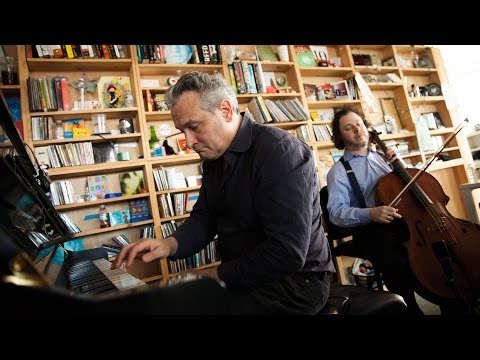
pixel 357 146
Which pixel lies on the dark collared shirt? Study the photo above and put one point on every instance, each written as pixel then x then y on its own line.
pixel 265 208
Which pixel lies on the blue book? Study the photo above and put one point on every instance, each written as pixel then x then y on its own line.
pixel 139 210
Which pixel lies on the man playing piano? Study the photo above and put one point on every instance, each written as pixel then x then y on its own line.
pixel 259 195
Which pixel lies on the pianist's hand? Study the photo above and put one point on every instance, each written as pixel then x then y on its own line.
pixel 147 250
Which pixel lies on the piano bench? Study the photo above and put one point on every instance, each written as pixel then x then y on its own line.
pixel 356 300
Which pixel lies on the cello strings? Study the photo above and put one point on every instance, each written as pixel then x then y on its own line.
pixel 419 194
pixel 425 201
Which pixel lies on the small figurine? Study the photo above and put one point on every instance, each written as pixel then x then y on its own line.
pixel 84 84
pixel 111 89
pixel 168 149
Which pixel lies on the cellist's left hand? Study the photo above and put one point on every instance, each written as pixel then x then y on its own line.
pixel 391 155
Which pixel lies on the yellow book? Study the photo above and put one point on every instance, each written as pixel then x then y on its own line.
pixel 315 115
pixel 69 51
pixel 264 109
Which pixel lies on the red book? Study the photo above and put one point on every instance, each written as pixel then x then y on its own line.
pixel 64 87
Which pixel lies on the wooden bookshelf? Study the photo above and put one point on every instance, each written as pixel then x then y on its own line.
pixel 449 173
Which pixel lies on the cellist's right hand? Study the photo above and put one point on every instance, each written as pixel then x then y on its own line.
pixel 148 249
pixel 384 214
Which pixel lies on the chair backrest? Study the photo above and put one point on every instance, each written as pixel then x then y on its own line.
pixel 333 231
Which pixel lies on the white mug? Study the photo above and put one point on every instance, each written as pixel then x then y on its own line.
pixel 282 51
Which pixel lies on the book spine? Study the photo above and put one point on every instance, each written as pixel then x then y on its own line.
pixel 106 54
pixel 64 86
pixel 262 88
pixel 139 53
pixel 239 77
pixel 264 109
pixel 206 54
pixel 69 50
pixel 231 74
pixel 111 52
pixel 200 54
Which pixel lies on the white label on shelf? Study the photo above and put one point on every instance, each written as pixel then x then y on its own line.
pixel 165 129
pixel 145 83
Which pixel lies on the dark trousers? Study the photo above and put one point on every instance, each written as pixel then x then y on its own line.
pixel 298 293
pixel 383 245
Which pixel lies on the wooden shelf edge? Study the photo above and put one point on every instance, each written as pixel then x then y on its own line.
pixel 111 229
pixel 201 267
pixel 94 203
pixel 81 170
pixel 446 164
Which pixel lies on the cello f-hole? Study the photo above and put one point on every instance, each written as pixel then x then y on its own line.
pixel 421 237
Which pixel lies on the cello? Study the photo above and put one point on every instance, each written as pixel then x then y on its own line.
pixel 444 252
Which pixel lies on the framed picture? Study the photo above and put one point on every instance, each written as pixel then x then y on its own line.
pixel 424 62
pixel 405 61
pixel 131 182
pixel 390 125
pixel 112 90
pixel 389 62
pixel 341 90
pixel 310 92
pixel 362 59
pixel 375 60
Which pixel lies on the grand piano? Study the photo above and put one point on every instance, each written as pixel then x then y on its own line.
pixel 31 230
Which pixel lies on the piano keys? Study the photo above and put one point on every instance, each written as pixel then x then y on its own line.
pixel 26 291
pixel 94 277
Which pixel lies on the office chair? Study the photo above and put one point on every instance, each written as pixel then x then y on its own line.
pixel 337 238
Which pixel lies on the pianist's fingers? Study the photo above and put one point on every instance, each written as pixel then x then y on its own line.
pixel 149 249
pixel 129 251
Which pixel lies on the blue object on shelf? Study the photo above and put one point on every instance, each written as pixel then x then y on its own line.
pixel 112 195
pixel 14 106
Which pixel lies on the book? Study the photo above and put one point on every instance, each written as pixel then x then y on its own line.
pixel 315 115
pixel 64 91
pixel 160 104
pixel 182 146
pixel 191 201
pixel 131 182
pixel 97 186
pixel 119 217
pixel 41 153
pixel 336 154
pixel 310 91
pixel 139 210
pixel 121 240
pixel 304 55
pixel 327 115
pixel 325 163
pixel 70 124
pixel 266 53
